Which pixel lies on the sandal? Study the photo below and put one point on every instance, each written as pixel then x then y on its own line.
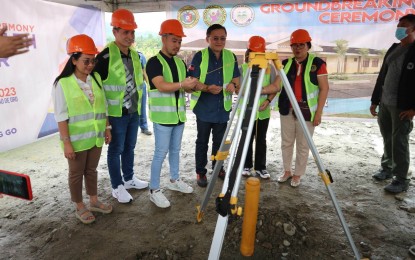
pixel 85 216
pixel 295 181
pixel 284 177
pixel 101 207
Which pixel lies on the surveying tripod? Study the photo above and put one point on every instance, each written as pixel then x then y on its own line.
pixel 226 202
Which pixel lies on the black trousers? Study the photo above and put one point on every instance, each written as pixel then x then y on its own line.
pixel 202 142
pixel 259 133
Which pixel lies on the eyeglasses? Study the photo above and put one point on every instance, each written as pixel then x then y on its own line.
pixel 223 39
pixel 89 61
pixel 298 45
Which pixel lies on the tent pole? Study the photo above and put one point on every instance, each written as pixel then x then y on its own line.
pixel 114 5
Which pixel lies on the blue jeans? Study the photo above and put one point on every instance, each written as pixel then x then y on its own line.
pixel 395 133
pixel 202 142
pixel 168 140
pixel 143 116
pixel 124 137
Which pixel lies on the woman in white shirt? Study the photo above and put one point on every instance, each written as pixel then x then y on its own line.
pixel 80 110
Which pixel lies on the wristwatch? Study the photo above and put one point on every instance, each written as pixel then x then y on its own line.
pixel 108 127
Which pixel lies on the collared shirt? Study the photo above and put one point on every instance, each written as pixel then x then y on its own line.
pixel 298 83
pixel 59 101
pixel 209 107
pixel 102 68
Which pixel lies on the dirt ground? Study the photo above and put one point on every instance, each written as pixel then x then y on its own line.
pixel 382 225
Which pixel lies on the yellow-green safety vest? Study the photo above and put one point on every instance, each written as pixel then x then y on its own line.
pixel 312 90
pixel 267 80
pixel 115 84
pixel 162 105
pixel 86 122
pixel 228 62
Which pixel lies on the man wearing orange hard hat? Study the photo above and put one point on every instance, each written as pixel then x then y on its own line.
pixel 167 75
pixel 263 114
pixel 307 75
pixel 122 74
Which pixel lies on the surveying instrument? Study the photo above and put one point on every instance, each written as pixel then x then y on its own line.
pixel 226 202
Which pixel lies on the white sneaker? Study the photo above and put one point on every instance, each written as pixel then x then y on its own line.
pixel 158 198
pixel 180 185
pixel 121 194
pixel 135 183
pixel 263 174
pixel 246 172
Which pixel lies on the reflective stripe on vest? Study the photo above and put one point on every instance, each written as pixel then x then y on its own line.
pixel 267 80
pixel 228 64
pixel 312 90
pixel 115 84
pixel 86 122
pixel 163 108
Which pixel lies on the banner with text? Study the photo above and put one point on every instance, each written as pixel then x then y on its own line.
pixel 26 109
pixel 351 36
pixel 362 23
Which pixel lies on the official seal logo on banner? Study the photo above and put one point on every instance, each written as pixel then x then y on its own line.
pixel 188 16
pixel 242 15
pixel 214 14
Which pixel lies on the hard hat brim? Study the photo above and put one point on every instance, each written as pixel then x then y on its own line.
pixel 126 27
pixel 181 35
pixel 91 52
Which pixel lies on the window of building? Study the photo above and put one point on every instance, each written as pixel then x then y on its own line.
pixel 355 59
pixel 365 63
pixel 375 63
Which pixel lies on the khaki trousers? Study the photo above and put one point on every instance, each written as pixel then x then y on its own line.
pixel 292 133
pixel 84 166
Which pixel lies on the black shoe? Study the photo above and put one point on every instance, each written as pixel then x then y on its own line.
pixel 263 174
pixel 222 174
pixel 382 174
pixel 397 186
pixel 202 180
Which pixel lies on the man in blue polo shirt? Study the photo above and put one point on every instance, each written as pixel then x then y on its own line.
pixel 217 71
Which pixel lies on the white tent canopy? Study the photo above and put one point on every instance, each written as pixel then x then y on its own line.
pixel 136 6
pixel 143 6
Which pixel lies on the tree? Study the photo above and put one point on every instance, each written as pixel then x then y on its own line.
pixel 364 53
pixel 341 49
pixel 149 45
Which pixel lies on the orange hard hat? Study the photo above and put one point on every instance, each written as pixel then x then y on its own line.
pixel 300 36
pixel 172 26
pixel 256 44
pixel 81 43
pixel 124 19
